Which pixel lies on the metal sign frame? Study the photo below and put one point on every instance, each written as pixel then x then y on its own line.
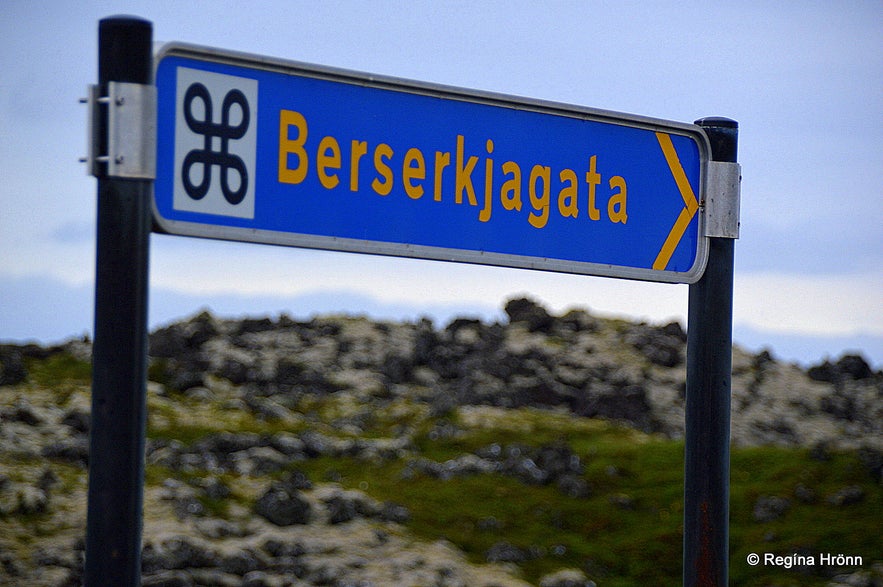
pixel 692 215
pixel 119 386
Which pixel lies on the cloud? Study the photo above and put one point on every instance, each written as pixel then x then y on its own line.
pixel 809 304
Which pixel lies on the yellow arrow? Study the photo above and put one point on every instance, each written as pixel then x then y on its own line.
pixel 690 203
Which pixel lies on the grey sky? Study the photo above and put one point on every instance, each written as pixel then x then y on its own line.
pixel 803 79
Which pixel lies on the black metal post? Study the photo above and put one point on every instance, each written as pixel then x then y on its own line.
pixel 119 352
pixel 707 407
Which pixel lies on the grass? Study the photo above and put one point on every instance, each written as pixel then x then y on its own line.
pixel 638 543
pixel 627 531
pixel 58 369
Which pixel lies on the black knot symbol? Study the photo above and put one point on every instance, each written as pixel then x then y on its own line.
pixel 209 130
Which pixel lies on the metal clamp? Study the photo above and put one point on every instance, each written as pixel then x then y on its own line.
pixel 131 131
pixel 722 199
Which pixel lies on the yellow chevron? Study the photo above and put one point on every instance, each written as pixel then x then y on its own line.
pixel 691 206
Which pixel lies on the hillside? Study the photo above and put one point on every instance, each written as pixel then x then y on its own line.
pixel 341 451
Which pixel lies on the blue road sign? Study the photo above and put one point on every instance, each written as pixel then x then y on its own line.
pixel 271 151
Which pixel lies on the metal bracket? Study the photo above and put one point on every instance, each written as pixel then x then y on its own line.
pixel 131 131
pixel 722 199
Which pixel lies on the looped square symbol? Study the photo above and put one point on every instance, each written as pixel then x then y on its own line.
pixel 205 156
pixel 215 154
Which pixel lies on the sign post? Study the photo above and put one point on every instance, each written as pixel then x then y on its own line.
pixel 119 351
pixel 707 401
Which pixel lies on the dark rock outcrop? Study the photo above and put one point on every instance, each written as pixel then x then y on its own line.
pixel 239 509
pixel 283 506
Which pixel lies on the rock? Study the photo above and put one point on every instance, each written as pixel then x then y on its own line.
pixel 12 366
pixel 212 577
pixel 277 548
pixel 573 486
pixel 558 459
pixel 268 410
pixel 344 506
pixel 566 578
pixel 281 507
pixel 288 444
pixel 768 508
pixel 199 394
pixel 873 460
pixel 325 574
pixel 847 496
pixel 11 565
pixel 251 325
pixel 858 579
pixel 183 338
pixel 258 461
pixel 235 367
pixel 242 561
pixel 341 388
pixel 74 450
pixel 23 412
pixel 525 310
pixel 594 367
pixel 259 579
pixel 662 346
pixel 625 404
pixel 579 321
pixel 31 500
pixel 763 358
pixel 840 405
pixel 187 507
pixel 394 512
pixel 854 367
pixel 296 480
pixel 215 528
pixel 78 420
pixel 397 368
pixel 622 501
pixel 675 330
pixel 340 509
pixel 804 494
pixel 504 552
pixel 168 579
pixel 225 443
pixel 215 488
pixel 535 466
pixel 55 556
pixel 176 376
pixel 848 367
pixel 176 553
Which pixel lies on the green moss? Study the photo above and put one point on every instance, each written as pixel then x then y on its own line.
pixel 215 507
pixel 188 420
pixel 629 530
pixel 58 368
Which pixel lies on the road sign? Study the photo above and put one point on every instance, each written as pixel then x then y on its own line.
pixel 271 151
